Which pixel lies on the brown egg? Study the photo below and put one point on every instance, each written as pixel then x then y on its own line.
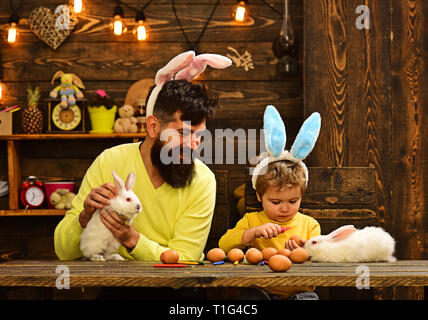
pixel 299 255
pixel 216 255
pixel 254 255
pixel 279 263
pixel 285 252
pixel 235 254
pixel 297 239
pixel 169 256
pixel 269 252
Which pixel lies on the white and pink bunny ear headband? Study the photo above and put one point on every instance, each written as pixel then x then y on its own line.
pixel 275 138
pixel 184 66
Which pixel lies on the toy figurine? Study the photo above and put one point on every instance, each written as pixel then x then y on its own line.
pixel 68 89
pixel 127 123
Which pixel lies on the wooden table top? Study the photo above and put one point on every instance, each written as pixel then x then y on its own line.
pixel 44 273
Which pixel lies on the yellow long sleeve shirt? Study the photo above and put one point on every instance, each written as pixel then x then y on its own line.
pixel 171 218
pixel 301 225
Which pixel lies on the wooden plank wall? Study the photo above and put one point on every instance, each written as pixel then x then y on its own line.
pixel 103 61
pixel 373 103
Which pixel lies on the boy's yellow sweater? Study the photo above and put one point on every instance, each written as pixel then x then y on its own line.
pixel 301 225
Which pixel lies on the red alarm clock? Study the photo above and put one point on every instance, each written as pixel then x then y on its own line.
pixel 32 193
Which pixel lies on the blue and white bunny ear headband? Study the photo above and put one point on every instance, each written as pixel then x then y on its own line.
pixel 184 66
pixel 275 139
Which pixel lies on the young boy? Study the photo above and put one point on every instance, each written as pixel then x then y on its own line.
pixel 280 191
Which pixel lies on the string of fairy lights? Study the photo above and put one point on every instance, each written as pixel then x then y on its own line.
pixel 240 14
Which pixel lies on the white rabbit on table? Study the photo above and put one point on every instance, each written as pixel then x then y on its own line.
pixel 347 244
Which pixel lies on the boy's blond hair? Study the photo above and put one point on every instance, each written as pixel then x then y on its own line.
pixel 283 175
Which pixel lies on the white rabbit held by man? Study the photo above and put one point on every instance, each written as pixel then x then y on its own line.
pixel 97 243
pixel 348 244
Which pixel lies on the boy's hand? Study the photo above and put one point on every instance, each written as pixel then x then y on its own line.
pixel 291 244
pixel 267 231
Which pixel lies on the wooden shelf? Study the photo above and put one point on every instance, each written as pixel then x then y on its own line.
pixel 14 164
pixel 66 136
pixel 32 212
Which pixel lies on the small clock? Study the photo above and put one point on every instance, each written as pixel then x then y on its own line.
pixel 66 119
pixel 32 193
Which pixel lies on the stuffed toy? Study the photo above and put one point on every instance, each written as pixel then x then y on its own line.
pixel 136 97
pixel 68 89
pixel 275 138
pixel 127 122
pixel 239 195
pixel 184 66
pixel 61 199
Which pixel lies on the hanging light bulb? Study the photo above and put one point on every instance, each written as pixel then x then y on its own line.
pixel 118 25
pixel 2 90
pixel 240 11
pixel 141 29
pixel 12 32
pixel 78 6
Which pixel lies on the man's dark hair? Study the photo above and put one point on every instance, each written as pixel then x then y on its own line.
pixel 190 99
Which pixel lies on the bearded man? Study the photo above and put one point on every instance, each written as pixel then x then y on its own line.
pixel 177 192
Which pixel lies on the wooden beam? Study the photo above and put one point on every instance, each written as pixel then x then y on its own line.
pixel 325 79
pixel 14 174
pixel 410 135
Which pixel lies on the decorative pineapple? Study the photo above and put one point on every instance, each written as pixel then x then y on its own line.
pixel 32 117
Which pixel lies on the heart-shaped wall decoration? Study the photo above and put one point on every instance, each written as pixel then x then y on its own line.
pixel 52 27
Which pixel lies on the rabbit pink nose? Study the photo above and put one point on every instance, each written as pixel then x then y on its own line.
pixel 138 207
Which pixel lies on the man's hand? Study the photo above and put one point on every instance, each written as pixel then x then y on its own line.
pixel 96 199
pixel 123 232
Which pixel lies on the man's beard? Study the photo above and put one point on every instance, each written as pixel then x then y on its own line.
pixel 177 175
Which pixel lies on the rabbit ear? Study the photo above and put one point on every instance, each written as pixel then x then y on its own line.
pixel 129 184
pixel 199 64
pixel 118 182
pixel 58 74
pixel 173 66
pixel 167 73
pixel 77 81
pixel 341 233
pixel 307 137
pixel 274 130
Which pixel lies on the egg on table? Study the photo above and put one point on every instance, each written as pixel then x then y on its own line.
pixel 235 254
pixel 216 255
pixel 299 255
pixel 169 256
pixel 254 255
pixel 279 263
pixel 284 252
pixel 269 252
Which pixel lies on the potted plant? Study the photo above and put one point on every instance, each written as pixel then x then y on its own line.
pixel 102 110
